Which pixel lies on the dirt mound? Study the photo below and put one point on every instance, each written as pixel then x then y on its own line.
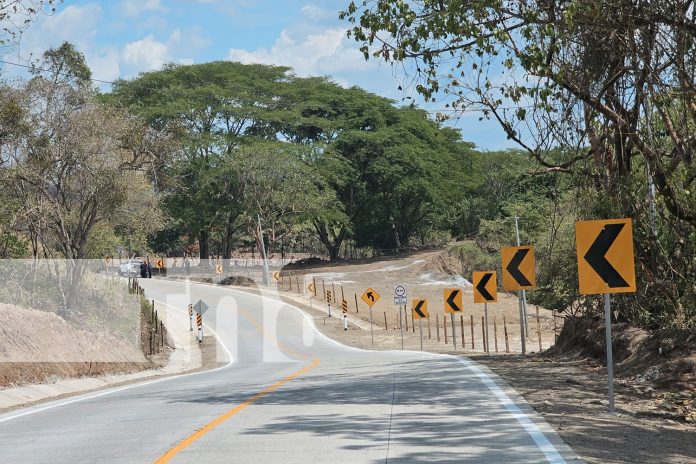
pixel 311 261
pixel 238 281
pixel 663 358
pixel 36 345
pixel 444 262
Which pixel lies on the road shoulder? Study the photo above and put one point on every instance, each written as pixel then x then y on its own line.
pixel 185 357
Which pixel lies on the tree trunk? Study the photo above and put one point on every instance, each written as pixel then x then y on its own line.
pixel 227 238
pixel 331 242
pixel 203 246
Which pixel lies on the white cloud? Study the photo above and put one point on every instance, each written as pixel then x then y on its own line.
pixel 106 65
pixel 314 12
pixel 75 24
pixel 146 53
pixel 135 8
pixel 328 52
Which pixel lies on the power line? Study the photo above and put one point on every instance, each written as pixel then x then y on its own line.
pixel 49 70
pixel 437 110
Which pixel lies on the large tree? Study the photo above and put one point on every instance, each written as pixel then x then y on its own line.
pixel 70 161
pixel 609 83
pixel 211 106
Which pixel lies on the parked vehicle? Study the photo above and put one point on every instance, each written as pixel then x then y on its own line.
pixel 130 268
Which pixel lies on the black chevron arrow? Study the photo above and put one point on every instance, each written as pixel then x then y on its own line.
pixel 371 296
pixel 418 307
pixel 451 302
pixel 596 258
pixel 481 287
pixel 514 268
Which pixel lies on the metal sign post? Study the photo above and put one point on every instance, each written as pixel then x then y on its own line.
pixel 610 357
pixel 524 292
pixel 370 297
pixel 372 335
pixel 454 332
pixel 400 300
pixel 485 315
pixel 606 265
pixel 401 326
pixel 420 327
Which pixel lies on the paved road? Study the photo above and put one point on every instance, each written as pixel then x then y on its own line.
pixel 289 395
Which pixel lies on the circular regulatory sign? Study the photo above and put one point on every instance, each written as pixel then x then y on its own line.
pixel 400 290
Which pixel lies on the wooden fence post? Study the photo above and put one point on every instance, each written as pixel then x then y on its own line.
pixel 507 342
pixel 461 322
pixel 495 334
pixel 437 327
pixel 472 333
pixel 538 326
pixel 444 323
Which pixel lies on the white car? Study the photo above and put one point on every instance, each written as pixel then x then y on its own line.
pixel 130 268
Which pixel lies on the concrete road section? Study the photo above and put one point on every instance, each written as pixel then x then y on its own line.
pixel 287 394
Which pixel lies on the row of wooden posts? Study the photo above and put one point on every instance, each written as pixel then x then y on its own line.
pixel 287 280
pixel 158 332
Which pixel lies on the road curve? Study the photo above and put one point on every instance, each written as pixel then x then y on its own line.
pixel 288 395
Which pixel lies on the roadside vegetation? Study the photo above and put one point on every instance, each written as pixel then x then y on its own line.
pixel 205 159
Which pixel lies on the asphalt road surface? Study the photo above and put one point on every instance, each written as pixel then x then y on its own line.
pixel 287 394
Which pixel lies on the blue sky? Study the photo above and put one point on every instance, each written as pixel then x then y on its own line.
pixel 121 38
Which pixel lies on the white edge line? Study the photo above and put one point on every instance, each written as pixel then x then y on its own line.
pixel 551 453
pixel 127 387
pixel 543 443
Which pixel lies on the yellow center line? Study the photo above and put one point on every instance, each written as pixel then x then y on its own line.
pixel 166 457
pixel 182 445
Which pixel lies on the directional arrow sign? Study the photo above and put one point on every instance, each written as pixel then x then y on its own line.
pixel 200 307
pixel 159 263
pixel 485 287
pixel 605 256
pixel 311 287
pixel 453 300
pixel 420 309
pixel 218 268
pixel 519 265
pixel 276 276
pixel 370 297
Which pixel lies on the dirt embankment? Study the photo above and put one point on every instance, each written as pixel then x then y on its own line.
pixel 659 365
pixel 36 346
